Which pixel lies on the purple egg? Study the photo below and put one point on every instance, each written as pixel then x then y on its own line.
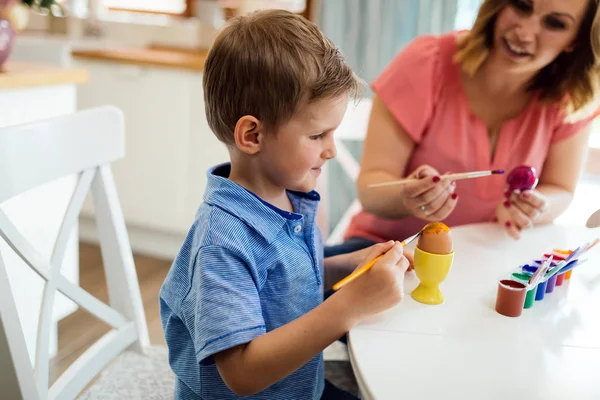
pixel 522 178
pixel 7 37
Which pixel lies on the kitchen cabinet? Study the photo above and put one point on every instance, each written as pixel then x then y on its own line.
pixel 169 147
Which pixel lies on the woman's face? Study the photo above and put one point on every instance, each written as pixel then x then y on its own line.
pixel 530 34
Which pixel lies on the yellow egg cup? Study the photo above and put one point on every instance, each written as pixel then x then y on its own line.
pixel 432 270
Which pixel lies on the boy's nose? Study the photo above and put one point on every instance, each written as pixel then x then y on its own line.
pixel 330 151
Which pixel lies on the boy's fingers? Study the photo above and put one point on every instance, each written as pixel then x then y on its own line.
pixel 378 250
pixel 409 254
pixel 393 255
pixel 403 264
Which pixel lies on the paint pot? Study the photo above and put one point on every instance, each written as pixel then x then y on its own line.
pixel 529 268
pixel 521 277
pixel 568 274
pixel 552 264
pixel 550 284
pixel 541 291
pixel 556 257
pixel 510 298
pixel 560 278
pixel 530 298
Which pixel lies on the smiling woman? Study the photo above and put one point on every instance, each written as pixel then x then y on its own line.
pixel 520 87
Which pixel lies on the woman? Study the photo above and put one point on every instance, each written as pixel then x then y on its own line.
pixel 516 89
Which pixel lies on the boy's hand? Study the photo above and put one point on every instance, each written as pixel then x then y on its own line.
pixel 359 258
pixel 381 287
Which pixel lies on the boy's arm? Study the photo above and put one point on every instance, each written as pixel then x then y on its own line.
pixel 249 368
pixel 252 367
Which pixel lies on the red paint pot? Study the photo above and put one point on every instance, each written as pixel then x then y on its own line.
pixel 510 298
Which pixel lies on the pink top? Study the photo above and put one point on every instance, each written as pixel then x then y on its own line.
pixel 422 89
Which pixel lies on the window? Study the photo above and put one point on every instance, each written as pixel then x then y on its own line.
pixel 466 12
pixel 302 7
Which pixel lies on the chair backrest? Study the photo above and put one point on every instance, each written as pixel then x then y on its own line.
pixel 84 143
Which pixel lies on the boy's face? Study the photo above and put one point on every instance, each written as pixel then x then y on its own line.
pixel 292 157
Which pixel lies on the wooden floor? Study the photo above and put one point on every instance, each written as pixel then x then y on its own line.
pixel 80 329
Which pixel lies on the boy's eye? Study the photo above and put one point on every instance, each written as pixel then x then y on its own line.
pixel 317 137
pixel 523 6
pixel 554 23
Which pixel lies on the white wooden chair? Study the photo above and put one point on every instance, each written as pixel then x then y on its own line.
pixel 84 143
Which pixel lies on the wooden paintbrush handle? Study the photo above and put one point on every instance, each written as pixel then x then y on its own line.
pixel 357 273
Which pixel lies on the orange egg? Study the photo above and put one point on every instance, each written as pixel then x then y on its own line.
pixel 436 238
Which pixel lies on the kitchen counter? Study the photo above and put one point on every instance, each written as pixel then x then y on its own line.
pixel 18 74
pixel 187 59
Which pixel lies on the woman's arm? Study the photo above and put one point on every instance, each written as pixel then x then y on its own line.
pixel 386 152
pixel 561 173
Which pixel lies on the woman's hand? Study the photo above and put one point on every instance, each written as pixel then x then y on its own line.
pixel 431 198
pixel 521 211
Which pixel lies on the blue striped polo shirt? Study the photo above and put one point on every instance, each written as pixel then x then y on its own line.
pixel 244 269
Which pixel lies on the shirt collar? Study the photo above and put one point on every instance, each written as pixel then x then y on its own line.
pixel 264 218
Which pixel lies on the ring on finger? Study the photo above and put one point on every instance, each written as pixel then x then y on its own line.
pixel 423 209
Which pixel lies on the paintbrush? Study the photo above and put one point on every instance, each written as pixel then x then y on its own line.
pixel 550 273
pixel 370 264
pixel 454 177
pixel 571 261
pixel 538 275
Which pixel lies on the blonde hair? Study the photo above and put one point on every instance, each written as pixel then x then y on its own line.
pixel 266 65
pixel 572 79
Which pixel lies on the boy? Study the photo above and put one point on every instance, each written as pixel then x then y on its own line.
pixel 242 307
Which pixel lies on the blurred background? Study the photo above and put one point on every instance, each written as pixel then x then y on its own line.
pixel 145 56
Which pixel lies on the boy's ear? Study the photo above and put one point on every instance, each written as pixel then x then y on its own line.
pixel 248 134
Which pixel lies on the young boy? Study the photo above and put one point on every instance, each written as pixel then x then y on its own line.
pixel 242 306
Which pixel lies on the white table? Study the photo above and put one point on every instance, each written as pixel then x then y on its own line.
pixel 464 349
